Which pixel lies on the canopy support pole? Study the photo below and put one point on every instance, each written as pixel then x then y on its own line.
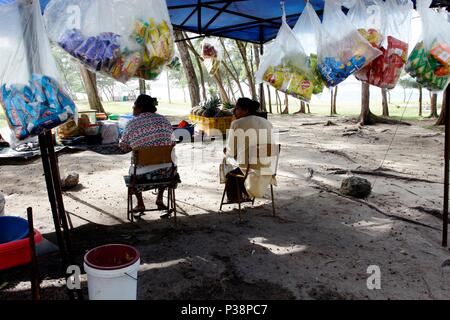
pixel 261 52
pixel 446 168
pixel 60 221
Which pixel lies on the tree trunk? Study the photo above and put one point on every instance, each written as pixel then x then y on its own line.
pixel 270 99
pixel 302 107
pixel 90 85
pixel 365 116
pixel 286 104
pixel 385 102
pixel 332 102
pixel 248 70
pixel 278 99
pixel 368 118
pixel 202 77
pixel 223 93
pixel 441 120
pixel 236 79
pixel 262 98
pixel 234 75
pixel 335 100
pixel 189 70
pixel 420 100
pixel 308 106
pixel 433 106
pixel 168 87
pixel 142 89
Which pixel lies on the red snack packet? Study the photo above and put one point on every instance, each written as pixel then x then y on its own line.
pixel 441 52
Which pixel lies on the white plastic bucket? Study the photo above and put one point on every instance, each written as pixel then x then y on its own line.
pixel 112 272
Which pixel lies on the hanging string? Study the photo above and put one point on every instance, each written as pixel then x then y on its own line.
pixel 283 11
pixel 393 138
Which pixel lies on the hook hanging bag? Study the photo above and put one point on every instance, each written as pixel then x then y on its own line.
pixel 285 65
pixel 342 49
pixel 308 30
pixel 429 62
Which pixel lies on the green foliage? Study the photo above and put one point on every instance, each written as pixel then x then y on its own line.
pixel 69 71
pixel 407 82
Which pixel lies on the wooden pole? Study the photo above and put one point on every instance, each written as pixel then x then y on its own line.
pixel 446 168
pixel 35 290
pixel 52 199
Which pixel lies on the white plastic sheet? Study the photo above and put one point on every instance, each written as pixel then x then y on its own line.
pixel 30 90
pixel 123 39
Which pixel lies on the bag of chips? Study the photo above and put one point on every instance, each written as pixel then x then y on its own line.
pixel 307 30
pixel 123 39
pixel 386 25
pixel 429 62
pixel 342 49
pixel 30 90
pixel 286 67
pixel 212 55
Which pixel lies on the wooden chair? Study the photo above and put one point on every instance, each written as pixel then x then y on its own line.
pixel 252 156
pixel 153 156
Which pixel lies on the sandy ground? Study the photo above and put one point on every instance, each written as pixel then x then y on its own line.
pixel 319 248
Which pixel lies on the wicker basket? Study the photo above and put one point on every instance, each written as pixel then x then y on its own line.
pixel 205 124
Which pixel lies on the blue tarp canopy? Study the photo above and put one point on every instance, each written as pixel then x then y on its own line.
pixel 255 21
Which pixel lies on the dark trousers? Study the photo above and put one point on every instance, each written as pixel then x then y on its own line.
pixel 232 191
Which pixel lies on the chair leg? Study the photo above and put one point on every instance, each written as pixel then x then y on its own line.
pixel 239 200
pixel 128 205
pixel 223 196
pixel 273 201
pixel 169 199
pixel 131 207
pixel 174 203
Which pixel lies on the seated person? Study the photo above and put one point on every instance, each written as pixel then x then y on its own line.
pixel 246 131
pixel 148 129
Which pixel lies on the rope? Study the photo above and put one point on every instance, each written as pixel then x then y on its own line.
pixel 393 137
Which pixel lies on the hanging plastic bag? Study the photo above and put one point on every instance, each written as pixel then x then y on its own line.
pixel 386 25
pixel 212 55
pixel 429 62
pixel 342 49
pixel 121 38
pixel 30 90
pixel 286 67
pixel 307 30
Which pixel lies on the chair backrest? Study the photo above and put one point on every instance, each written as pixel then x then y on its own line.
pixel 254 154
pixel 153 155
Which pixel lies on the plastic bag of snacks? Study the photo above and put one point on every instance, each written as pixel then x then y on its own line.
pixel 30 93
pixel 307 30
pixel 121 38
pixel 386 25
pixel 429 62
pixel 212 55
pixel 342 49
pixel 286 67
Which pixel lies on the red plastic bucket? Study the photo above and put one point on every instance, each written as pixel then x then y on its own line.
pixel 17 253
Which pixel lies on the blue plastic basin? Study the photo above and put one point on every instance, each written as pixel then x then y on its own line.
pixel 12 229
